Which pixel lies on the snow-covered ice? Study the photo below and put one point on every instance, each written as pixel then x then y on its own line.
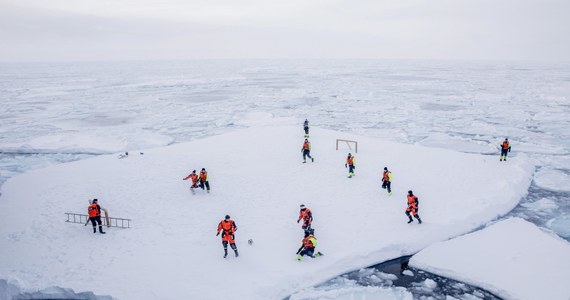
pixel 348 292
pixel 11 290
pixel 171 251
pixel 512 258
pixel 555 180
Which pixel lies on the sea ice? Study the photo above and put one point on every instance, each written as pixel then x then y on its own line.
pixel 561 225
pixel 555 180
pixel 533 264
pixel 258 179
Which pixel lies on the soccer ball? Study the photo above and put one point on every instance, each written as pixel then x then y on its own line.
pixel 250 242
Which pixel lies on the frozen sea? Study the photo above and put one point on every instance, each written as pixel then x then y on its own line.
pixel 55 113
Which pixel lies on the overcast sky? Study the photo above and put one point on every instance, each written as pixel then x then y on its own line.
pixel 71 30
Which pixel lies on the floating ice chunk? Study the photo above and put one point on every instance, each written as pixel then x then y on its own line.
pixel 425 287
pixel 533 264
pixel 10 290
pixel 430 284
pixel 561 225
pixel 351 293
pixel 386 276
pixel 375 277
pixel 469 297
pixel 366 272
pixel 408 273
pixel 553 180
pixel 460 286
pixel 542 205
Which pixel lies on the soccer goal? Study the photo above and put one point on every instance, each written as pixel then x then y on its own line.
pixel 348 143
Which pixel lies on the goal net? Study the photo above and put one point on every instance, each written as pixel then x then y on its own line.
pixel 347 145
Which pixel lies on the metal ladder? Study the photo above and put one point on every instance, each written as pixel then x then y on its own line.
pixel 113 222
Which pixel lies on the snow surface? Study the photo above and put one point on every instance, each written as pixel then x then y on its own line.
pixel 554 180
pixel 171 251
pixel 529 263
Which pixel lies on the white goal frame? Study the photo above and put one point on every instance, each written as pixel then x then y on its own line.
pixel 348 142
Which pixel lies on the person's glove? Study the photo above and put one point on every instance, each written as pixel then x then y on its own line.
pixel 298 221
pixel 354 167
pixel 217 234
pixel 345 165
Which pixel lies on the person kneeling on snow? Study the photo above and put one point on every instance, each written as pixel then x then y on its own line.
pixel 308 245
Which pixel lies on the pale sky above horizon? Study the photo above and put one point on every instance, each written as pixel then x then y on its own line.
pixel 95 30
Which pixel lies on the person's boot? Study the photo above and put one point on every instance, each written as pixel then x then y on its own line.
pixel 94 230
pixel 225 253
pixel 411 220
pixel 101 230
pixel 419 220
pixel 237 254
pixel 312 159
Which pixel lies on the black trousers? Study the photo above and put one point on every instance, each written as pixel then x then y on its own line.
pixel 95 221
pixel 307 251
pixel 386 185
pixel 205 183
pixel 306 153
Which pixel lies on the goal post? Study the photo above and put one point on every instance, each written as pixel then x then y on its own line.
pixel 348 143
